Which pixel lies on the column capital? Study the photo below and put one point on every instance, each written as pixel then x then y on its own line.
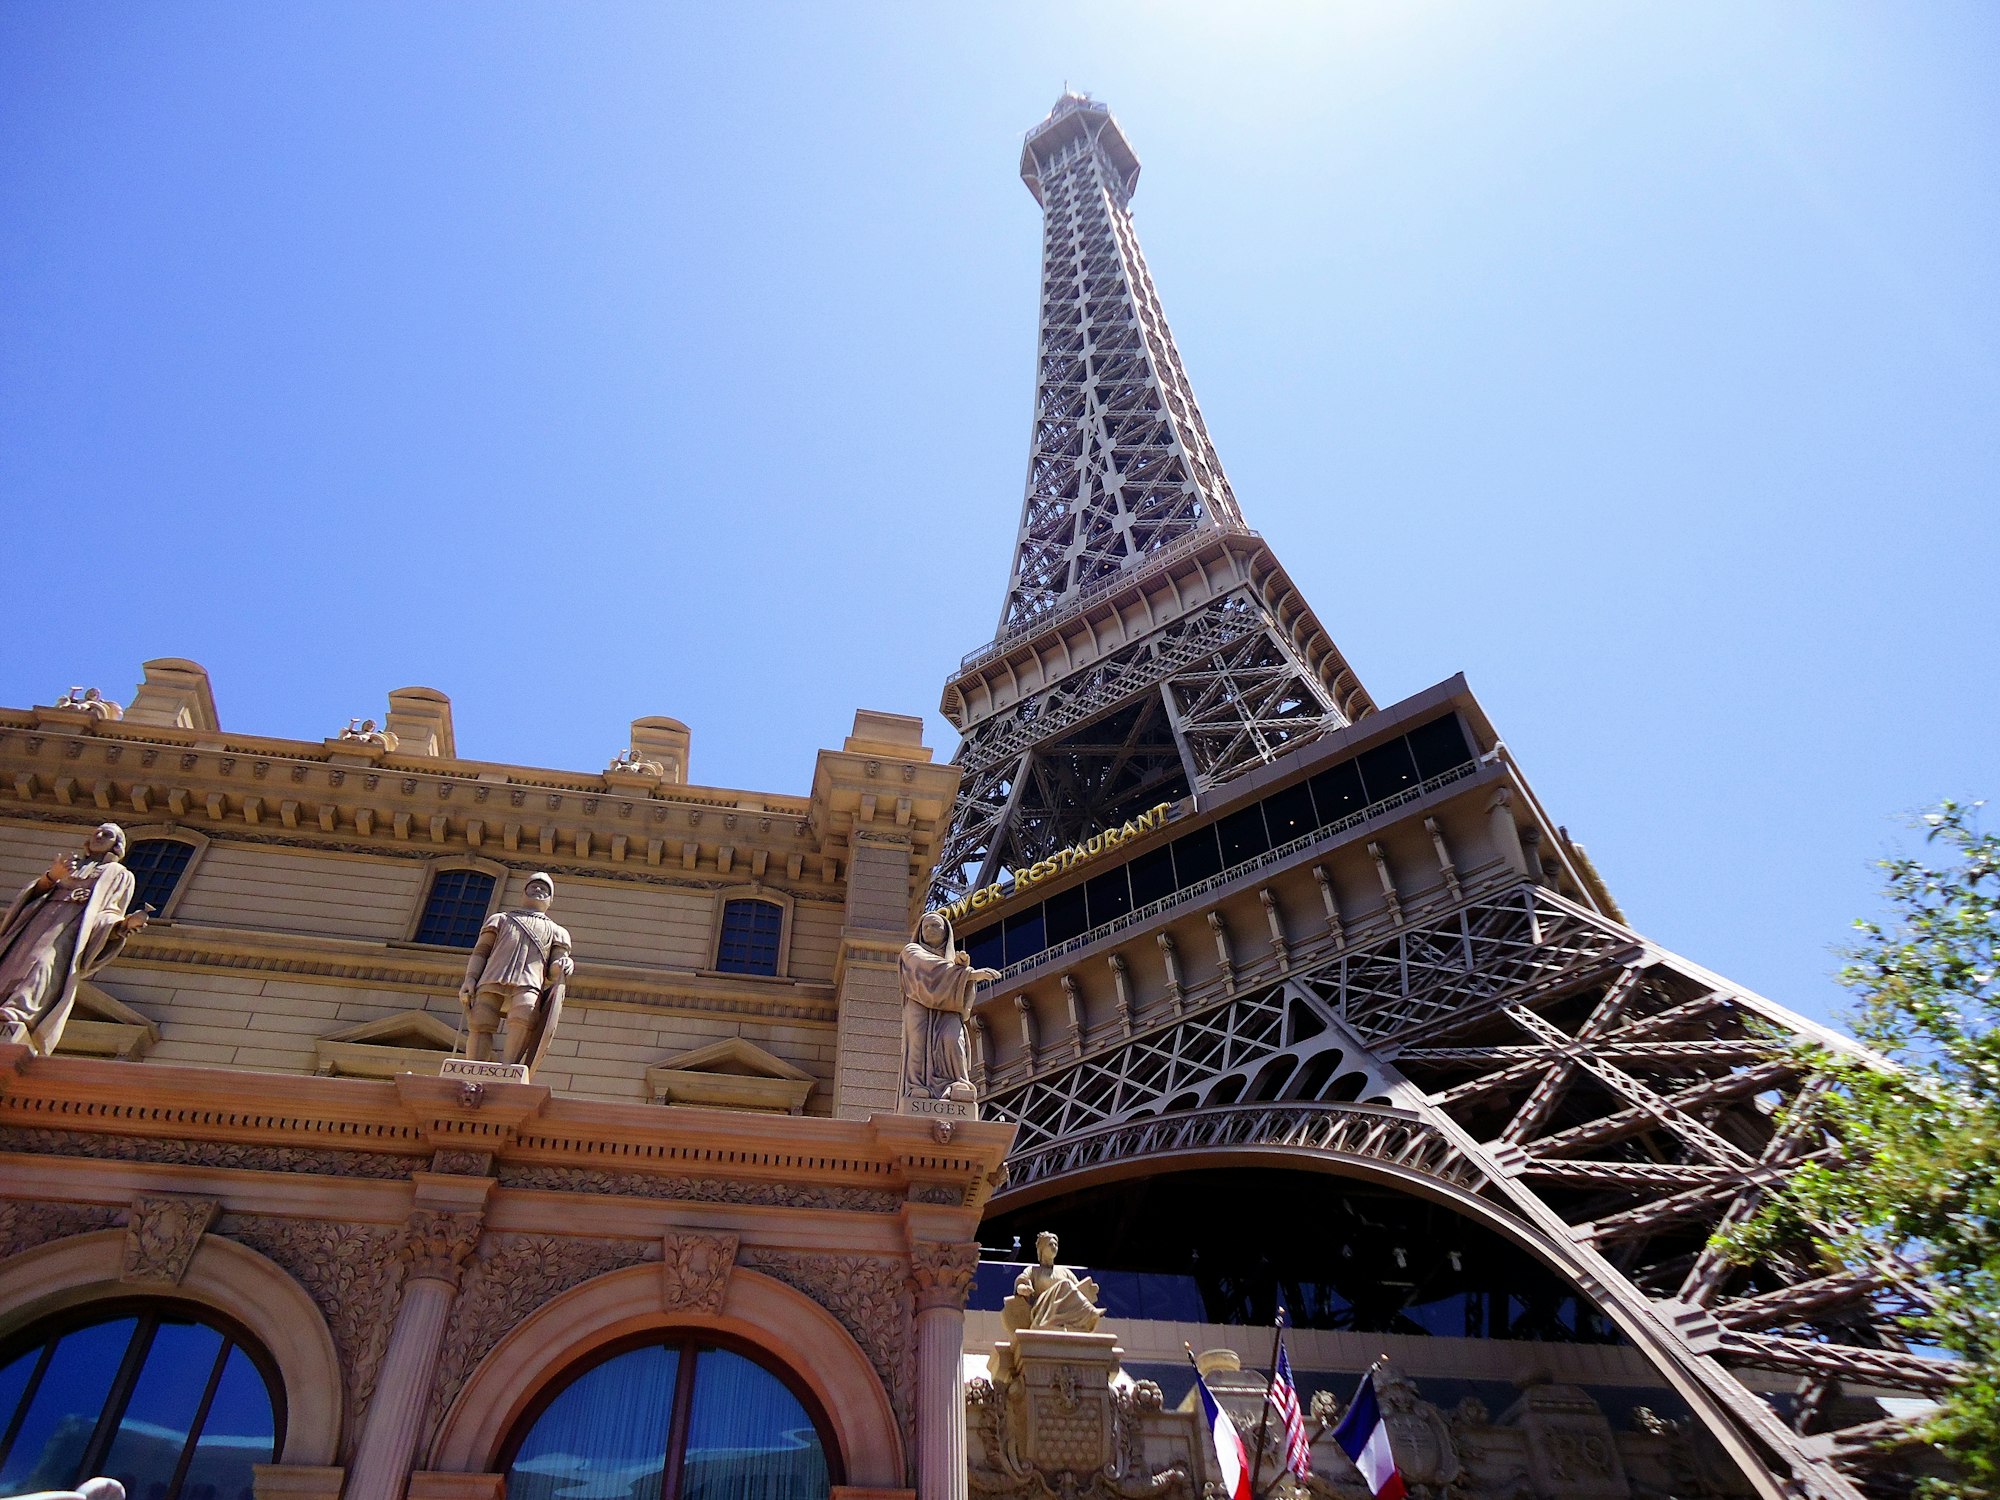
pixel 437 1242
pixel 941 1273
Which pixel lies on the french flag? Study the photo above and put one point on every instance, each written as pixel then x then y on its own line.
pixel 1232 1462
pixel 1364 1437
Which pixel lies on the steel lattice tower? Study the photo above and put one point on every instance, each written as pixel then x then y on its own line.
pixel 1150 644
pixel 1361 946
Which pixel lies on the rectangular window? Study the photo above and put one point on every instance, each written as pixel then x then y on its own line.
pixel 1152 876
pixel 1110 896
pixel 986 948
pixel 1387 770
pixel 1242 835
pixel 1289 814
pixel 1196 857
pixel 1024 934
pixel 1337 793
pixel 456 908
pixel 1438 746
pixel 1066 915
pixel 157 866
pixel 750 933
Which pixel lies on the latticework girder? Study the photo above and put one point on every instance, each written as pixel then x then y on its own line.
pixel 1610 1099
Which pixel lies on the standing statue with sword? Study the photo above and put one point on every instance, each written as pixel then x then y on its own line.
pixel 514 980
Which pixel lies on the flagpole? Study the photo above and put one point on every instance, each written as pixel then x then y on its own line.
pixel 1264 1417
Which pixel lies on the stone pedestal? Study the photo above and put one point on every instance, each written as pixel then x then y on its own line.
pixel 1065 1397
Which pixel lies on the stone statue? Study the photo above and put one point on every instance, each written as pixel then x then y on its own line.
pixel 937 982
pixel 631 764
pixel 515 979
pixel 62 929
pixel 91 701
pixel 1047 1295
pixel 364 732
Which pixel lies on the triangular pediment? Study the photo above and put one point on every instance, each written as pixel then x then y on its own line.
pixel 410 1041
pixel 102 1025
pixel 730 1074
pixel 407 1028
pixel 735 1057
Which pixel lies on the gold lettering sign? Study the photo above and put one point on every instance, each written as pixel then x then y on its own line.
pixel 1059 863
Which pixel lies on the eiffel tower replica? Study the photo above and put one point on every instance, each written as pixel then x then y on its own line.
pixel 1248 920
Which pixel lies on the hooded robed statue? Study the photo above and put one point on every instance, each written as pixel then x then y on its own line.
pixel 63 928
pixel 937 983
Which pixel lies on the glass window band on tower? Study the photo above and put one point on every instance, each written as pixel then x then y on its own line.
pixel 1345 790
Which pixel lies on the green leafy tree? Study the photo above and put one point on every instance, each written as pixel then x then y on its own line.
pixel 1919 1183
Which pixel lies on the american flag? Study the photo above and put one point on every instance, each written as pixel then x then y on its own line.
pixel 1285 1396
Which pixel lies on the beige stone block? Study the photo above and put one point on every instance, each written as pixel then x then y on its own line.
pixel 296 1482
pixel 171 1050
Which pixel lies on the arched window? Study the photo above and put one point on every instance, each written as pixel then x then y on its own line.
pixel 158 1396
pixel 750 934
pixel 455 908
pixel 674 1418
pixel 157 866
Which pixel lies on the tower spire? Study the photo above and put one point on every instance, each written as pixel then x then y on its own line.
pixel 1120 464
pixel 1150 645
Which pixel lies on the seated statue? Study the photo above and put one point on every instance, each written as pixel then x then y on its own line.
pixel 1047 1295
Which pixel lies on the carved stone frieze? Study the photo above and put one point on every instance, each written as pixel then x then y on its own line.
pixel 462 1163
pixel 870 1295
pixel 161 1236
pixel 698 1189
pixel 351 1272
pixel 35 1141
pixel 694 1270
pixel 24 1224
pixel 942 1274
pixel 942 1194
pixel 510 1277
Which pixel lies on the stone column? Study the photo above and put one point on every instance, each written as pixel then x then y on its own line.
pixel 435 1245
pixel 941 1275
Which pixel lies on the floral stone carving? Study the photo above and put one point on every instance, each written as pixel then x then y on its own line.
pixel 161 1236
pixel 941 1275
pixel 694 1270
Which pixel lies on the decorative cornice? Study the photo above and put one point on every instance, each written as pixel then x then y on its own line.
pixel 92 1108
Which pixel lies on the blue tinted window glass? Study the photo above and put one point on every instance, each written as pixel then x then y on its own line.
pixel 456 907
pixel 157 866
pixel 1024 934
pixel 985 948
pixel 748 1438
pixel 750 933
pixel 63 1412
pixel 605 1436
pixel 1066 914
pixel 160 1415
pixel 239 1433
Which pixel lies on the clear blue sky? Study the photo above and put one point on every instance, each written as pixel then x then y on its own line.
pixel 591 361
